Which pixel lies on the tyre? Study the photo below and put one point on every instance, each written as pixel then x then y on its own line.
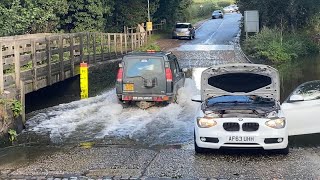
pixel 284 151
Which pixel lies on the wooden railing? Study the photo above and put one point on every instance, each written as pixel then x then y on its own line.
pixel 36 61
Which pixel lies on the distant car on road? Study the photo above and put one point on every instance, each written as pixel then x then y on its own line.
pixel 147 78
pixel 217 14
pixel 231 9
pixel 183 30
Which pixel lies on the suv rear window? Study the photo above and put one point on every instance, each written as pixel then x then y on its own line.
pixel 182 25
pixel 143 66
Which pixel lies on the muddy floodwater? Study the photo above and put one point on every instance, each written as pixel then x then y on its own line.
pixel 294 73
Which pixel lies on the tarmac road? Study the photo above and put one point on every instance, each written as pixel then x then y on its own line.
pixel 152 144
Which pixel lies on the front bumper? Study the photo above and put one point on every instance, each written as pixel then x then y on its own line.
pixel 265 137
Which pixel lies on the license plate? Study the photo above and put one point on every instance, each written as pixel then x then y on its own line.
pixel 241 139
pixel 128 87
pixel 142 98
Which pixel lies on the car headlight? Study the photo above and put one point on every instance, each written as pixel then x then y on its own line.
pixel 277 123
pixel 206 122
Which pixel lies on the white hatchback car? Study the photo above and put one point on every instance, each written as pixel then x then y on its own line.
pixel 240 109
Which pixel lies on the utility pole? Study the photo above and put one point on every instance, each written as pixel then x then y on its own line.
pixel 148 11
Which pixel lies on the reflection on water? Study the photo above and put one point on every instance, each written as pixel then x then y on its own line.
pixel 297 72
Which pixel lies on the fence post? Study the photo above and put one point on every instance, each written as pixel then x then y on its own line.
pixel 1 71
pixel 145 37
pixel 61 77
pixel 131 35
pixel 34 65
pixel 135 40
pixel 17 63
pixel 48 49
pixel 23 101
pixel 102 46
pixel 88 47
pixel 94 48
pixel 81 47
pixel 115 44
pixel 125 43
pixel 121 44
pixel 72 55
pixel 139 39
pixel 109 45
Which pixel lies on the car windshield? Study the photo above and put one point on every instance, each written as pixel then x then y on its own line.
pixel 216 12
pixel 182 25
pixel 143 66
pixel 251 99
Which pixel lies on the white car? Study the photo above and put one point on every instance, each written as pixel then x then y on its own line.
pixel 241 109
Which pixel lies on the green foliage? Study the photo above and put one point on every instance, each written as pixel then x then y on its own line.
pixel 30 16
pixel 150 47
pixel 273 45
pixel 39 16
pixel 12 135
pixel 291 14
pixel 16 108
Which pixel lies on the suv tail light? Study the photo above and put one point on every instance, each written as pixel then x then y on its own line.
pixel 168 75
pixel 120 74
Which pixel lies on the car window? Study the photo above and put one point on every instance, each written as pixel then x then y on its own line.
pixel 177 64
pixel 182 25
pixel 309 91
pixel 172 64
pixel 143 66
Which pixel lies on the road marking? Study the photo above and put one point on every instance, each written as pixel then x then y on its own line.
pixel 202 47
pixel 207 41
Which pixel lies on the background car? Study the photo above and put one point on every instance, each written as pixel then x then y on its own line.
pixel 183 30
pixel 147 78
pixel 217 14
pixel 230 9
pixel 302 109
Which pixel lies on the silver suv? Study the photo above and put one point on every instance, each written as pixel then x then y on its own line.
pixel 183 30
pixel 148 78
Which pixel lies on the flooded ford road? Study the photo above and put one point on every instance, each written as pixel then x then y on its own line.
pixel 99 138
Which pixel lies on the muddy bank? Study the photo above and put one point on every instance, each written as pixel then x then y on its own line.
pixel 10 120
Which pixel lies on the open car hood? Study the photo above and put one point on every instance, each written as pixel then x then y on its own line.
pixel 240 79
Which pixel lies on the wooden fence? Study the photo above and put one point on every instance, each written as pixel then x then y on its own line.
pixel 36 61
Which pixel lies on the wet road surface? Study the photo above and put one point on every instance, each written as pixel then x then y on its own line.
pixel 129 143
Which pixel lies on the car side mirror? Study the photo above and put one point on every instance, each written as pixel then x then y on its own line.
pixel 184 70
pixel 196 98
pixel 296 98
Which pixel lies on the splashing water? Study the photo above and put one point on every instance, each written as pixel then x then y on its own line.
pixel 103 116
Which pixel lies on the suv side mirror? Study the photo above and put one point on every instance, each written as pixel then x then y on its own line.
pixel 296 98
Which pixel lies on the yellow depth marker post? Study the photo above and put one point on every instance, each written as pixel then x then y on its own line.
pixel 84 82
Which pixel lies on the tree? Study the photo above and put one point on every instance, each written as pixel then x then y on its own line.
pixel 85 15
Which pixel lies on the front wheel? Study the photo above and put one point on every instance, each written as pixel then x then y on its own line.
pixel 284 151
